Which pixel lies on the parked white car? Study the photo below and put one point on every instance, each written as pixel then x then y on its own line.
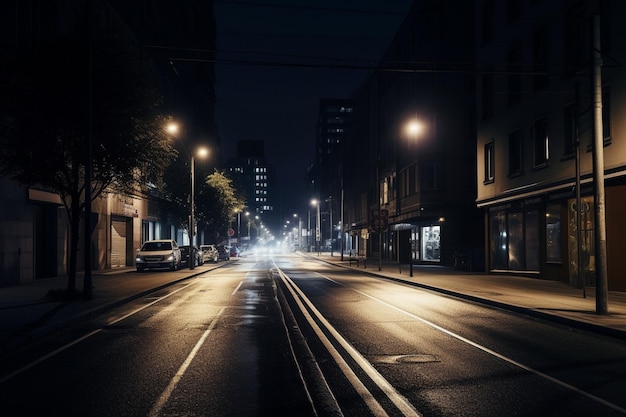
pixel 209 253
pixel 158 254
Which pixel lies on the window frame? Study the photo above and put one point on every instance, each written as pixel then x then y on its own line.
pixel 490 162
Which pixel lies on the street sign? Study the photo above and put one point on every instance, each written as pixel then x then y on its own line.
pixel 379 220
pixel 231 232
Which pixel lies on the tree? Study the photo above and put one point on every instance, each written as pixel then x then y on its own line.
pixel 44 130
pixel 217 202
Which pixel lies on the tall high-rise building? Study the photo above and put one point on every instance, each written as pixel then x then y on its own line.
pixel 253 177
pixel 333 126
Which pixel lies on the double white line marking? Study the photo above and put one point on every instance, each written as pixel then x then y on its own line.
pixel 394 396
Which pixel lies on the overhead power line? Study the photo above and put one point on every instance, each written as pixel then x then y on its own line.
pixel 316 8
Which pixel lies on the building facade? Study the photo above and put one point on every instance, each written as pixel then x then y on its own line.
pixel 410 195
pixel 254 176
pixel 334 125
pixel 535 136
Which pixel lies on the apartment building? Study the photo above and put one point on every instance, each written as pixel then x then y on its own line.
pixel 535 130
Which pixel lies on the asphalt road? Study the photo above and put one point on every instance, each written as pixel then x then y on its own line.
pixel 214 345
pixel 422 353
pixel 292 336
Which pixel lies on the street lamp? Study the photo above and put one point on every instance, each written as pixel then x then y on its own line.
pixel 413 129
pixel 316 203
pixel 201 153
pixel 238 211
pixel 299 236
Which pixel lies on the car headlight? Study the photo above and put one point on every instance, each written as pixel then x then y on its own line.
pixel 138 258
pixel 170 257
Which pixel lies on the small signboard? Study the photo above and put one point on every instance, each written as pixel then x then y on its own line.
pixel 379 220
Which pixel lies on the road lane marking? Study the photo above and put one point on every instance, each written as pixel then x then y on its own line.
pixel 165 395
pixel 489 351
pixel 86 336
pixel 237 288
pixel 398 400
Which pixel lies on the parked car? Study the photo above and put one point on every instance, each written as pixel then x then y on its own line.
pixel 184 252
pixel 209 253
pixel 223 253
pixel 158 254
pixel 234 251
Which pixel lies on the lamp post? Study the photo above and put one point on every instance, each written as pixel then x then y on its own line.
pixel 248 235
pixel 413 130
pixel 317 225
pixel 201 152
pixel 238 228
pixel 316 203
pixel 299 235
pixel 308 232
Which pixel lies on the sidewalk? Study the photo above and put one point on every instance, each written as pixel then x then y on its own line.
pixel 26 313
pixel 545 299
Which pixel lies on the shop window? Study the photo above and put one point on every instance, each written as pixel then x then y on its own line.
pixel 498 241
pixel 531 239
pixel 430 243
pixel 516 241
pixel 553 234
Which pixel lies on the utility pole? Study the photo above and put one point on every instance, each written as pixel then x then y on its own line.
pixel 598 175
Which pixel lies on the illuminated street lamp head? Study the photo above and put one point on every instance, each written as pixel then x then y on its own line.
pixel 172 128
pixel 202 152
pixel 314 202
pixel 414 128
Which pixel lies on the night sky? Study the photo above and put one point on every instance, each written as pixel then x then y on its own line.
pixel 277 58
